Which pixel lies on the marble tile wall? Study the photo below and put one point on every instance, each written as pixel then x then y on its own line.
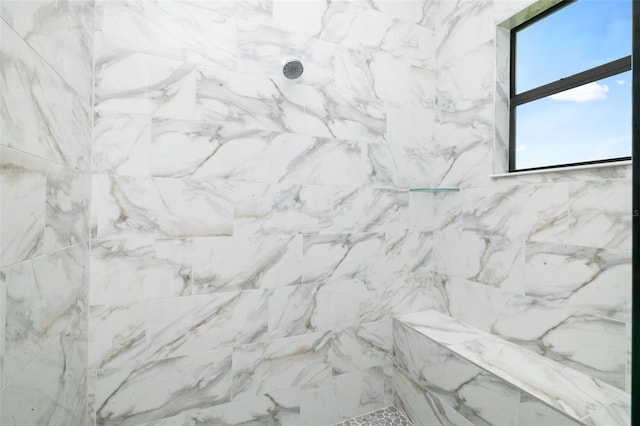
pixel 252 236
pixel 46 60
pixel 447 372
pixel 543 260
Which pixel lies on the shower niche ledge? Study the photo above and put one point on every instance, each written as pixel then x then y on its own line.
pixel 446 360
pixel 434 189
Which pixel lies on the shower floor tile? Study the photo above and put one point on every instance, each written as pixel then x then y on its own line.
pixel 389 416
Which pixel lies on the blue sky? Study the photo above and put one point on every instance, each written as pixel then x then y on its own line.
pixel 588 123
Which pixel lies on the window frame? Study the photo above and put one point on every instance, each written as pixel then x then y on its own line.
pixel 581 78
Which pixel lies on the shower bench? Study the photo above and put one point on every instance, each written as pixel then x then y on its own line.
pixel 447 372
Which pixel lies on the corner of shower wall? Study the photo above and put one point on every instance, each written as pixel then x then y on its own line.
pixel 46 117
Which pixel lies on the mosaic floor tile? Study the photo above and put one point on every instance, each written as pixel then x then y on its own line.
pixel 389 416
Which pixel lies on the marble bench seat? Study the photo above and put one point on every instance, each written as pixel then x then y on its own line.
pixel 467 376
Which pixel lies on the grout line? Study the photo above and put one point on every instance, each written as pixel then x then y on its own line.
pixel 31 259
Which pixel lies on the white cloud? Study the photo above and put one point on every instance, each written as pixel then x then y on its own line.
pixel 621 82
pixel 588 92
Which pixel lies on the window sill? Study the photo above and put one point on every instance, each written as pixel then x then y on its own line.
pixel 563 169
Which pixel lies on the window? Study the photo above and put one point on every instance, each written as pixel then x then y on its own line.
pixel 570 86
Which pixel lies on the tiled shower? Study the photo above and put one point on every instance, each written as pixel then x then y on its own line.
pixel 187 237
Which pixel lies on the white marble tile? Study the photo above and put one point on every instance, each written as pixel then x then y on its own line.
pixel 46 301
pixel 484 399
pixel 447 211
pixel 209 151
pixel 67 211
pixel 23 193
pixel 354 72
pixel 60 32
pixel 235 7
pixel 423 86
pixel 262 48
pixel 467 81
pixel 161 207
pixel 179 30
pixel 195 324
pixel 281 208
pixel 462 166
pixel 427 362
pixel 138 269
pixel 133 82
pixel 160 389
pixel 286 106
pixel 369 209
pixel 501 99
pixel 610 172
pixel 340 257
pixel 274 408
pixel 439 327
pixel 462 153
pixel 463 25
pixel 563 335
pixel 416 11
pixel 3 310
pixel 246 262
pixel 92 377
pixel 356 25
pixel 318 16
pixel 254 10
pixel 413 43
pixel 406 252
pixel 411 127
pixel 361 347
pixel 247 100
pixel 353 118
pixel 567 390
pixel 121 144
pixel 421 406
pixel 309 308
pixel 392 80
pixel 39 113
pixel 486 259
pixel 556 332
pixel 608 229
pixel 307 160
pixel 377 75
pixel 343 397
pixel 472 303
pixel 594 280
pixel 421 211
pixel 264 367
pixel 402 294
pixel 600 214
pixel 572 392
pixel 398 166
pixel 614 414
pixel 478 396
pixel 51 389
pixel 535 413
pixel 534 212
pixel 117 335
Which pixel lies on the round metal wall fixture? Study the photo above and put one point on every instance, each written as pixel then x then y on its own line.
pixel 292 68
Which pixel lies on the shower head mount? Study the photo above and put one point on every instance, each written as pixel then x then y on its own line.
pixel 292 68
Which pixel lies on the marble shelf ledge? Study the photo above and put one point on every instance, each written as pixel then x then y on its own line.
pixel 435 189
pixel 572 393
